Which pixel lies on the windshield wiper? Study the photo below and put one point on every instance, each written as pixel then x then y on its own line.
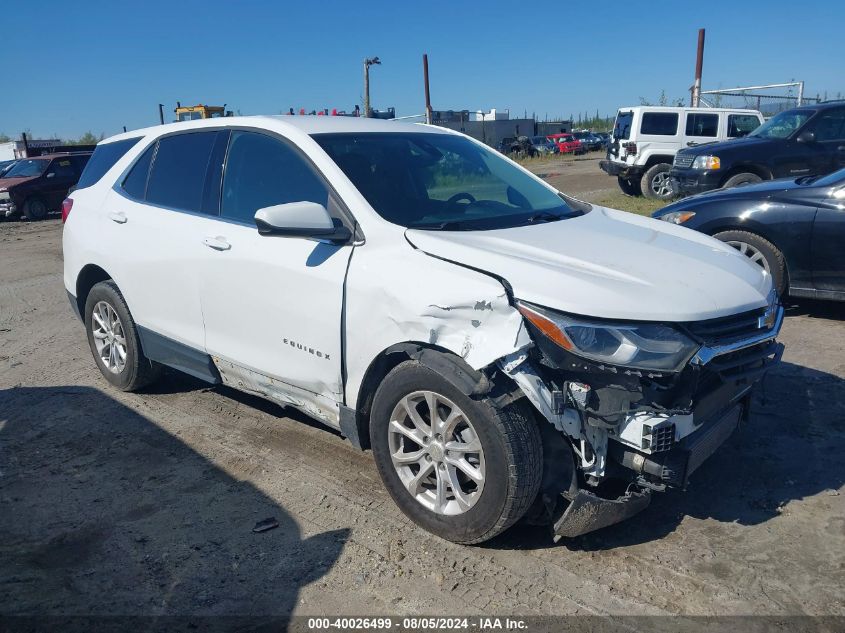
pixel 450 225
pixel 545 216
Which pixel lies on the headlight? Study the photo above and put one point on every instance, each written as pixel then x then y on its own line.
pixel 636 345
pixel 706 162
pixel 677 217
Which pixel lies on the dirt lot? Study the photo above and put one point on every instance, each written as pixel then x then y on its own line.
pixel 115 503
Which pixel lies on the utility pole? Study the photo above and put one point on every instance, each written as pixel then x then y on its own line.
pixel 161 113
pixel 367 63
pixel 427 94
pixel 695 98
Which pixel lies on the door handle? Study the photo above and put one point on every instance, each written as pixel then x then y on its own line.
pixel 217 243
pixel 116 216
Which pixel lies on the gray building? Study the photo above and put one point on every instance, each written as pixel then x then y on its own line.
pixel 488 128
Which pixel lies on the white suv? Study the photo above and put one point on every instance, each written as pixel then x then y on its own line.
pixel 646 138
pixel 502 348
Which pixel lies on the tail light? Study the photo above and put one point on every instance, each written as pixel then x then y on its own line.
pixel 630 149
pixel 67 205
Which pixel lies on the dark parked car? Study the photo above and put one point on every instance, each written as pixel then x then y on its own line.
pixel 805 141
pixel 794 228
pixel 36 186
pixel 517 146
pixel 543 145
pixel 589 140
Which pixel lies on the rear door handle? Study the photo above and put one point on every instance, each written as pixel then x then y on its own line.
pixel 217 243
pixel 116 216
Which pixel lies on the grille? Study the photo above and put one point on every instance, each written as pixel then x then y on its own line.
pixel 746 364
pixel 727 329
pixel 682 160
pixel 659 438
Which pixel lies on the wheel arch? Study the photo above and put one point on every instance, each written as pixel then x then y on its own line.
pixel 470 381
pixel 88 277
pixel 750 168
pixel 655 159
pixel 758 230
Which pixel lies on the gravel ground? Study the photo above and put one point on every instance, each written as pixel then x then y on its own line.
pixel 114 503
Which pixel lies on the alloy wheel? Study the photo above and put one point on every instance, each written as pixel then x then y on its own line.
pixel 109 337
pixel 436 453
pixel 660 184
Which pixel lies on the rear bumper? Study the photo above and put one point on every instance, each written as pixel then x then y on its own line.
pixel 688 182
pixel 74 304
pixel 612 168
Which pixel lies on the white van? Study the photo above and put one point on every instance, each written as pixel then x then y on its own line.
pixel 502 348
pixel 646 138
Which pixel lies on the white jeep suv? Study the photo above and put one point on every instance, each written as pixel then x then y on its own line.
pixel 503 349
pixel 646 138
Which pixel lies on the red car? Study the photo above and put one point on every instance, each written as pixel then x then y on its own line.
pixel 567 143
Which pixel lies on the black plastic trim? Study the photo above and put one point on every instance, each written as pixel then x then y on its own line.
pixel 178 356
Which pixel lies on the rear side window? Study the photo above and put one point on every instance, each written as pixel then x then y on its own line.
pixel 702 124
pixel 659 123
pixel 262 171
pixel 622 127
pixel 177 178
pixel 741 124
pixel 103 159
pixel 135 184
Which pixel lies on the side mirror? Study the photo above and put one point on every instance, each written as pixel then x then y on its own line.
pixel 806 137
pixel 301 219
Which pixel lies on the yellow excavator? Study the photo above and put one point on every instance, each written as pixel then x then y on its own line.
pixel 200 111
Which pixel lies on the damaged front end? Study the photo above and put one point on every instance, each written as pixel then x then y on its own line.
pixel 634 408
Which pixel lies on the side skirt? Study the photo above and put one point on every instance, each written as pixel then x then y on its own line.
pixel 178 356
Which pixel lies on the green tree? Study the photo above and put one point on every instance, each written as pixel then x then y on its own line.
pixel 89 138
pixel 4 138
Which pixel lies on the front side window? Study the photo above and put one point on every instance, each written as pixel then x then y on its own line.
pixel 742 124
pixel 659 123
pixel 441 181
pixel 62 169
pixel 28 167
pixel 783 124
pixel 830 125
pixel 262 171
pixel 103 159
pixel 177 178
pixel 702 124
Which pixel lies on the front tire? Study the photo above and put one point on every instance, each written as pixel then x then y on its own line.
pixel 465 473
pixel 760 251
pixel 741 179
pixel 34 209
pixel 114 341
pixel 655 182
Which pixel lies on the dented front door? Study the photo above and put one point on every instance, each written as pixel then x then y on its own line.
pixel 272 305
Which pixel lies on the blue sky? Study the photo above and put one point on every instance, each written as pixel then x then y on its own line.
pixel 71 67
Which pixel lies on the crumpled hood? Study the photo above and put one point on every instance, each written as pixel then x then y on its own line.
pixel 610 264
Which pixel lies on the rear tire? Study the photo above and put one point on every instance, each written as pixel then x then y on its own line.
pixel 508 461
pixel 762 252
pixel 745 178
pixel 34 209
pixel 655 182
pixel 114 341
pixel 629 187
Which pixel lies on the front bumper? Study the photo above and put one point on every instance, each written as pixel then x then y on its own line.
pixel 7 208
pixel 688 182
pixel 622 170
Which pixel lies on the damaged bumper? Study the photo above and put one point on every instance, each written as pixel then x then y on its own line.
pixel 636 431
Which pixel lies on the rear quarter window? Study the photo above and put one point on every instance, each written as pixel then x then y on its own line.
pixel 103 159
pixel 659 123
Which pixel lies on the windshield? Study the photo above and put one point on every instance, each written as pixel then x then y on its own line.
pixel 27 167
pixel 441 181
pixel 783 125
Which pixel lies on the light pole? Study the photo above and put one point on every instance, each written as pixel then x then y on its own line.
pixel 367 63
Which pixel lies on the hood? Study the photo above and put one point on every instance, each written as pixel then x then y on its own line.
pixel 757 191
pixel 6 183
pixel 610 264
pixel 732 145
